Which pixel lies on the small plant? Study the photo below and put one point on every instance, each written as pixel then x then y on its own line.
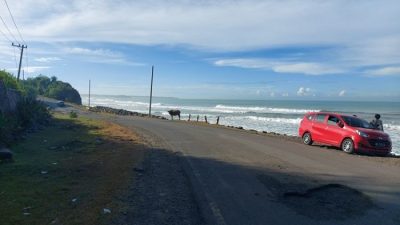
pixel 73 115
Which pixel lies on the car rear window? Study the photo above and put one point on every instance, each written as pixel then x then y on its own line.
pixel 356 122
pixel 320 118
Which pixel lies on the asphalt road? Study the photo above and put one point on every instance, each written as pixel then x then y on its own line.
pixel 244 178
pixel 239 177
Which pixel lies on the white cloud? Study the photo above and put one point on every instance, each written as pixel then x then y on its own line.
pixel 371 51
pixel 93 52
pixel 101 56
pixel 207 24
pixel 386 71
pixel 284 66
pixel 304 91
pixel 272 94
pixel 306 68
pixel 363 33
pixel 248 63
pixel 285 94
pixel 342 93
pixel 31 69
pixel 47 59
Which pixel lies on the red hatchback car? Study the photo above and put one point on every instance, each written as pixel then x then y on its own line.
pixel 349 133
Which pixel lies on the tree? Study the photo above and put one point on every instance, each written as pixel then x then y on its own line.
pixel 53 88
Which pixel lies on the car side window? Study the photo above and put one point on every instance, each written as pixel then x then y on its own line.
pixel 320 118
pixel 310 117
pixel 333 120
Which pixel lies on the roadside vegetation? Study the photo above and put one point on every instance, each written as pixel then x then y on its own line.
pixel 10 81
pixel 53 88
pixel 29 114
pixel 72 172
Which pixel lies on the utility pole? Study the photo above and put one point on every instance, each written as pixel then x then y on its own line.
pixel 20 57
pixel 151 89
pixel 89 94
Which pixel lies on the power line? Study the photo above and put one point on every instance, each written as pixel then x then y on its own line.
pixel 5 25
pixel 8 39
pixel 12 17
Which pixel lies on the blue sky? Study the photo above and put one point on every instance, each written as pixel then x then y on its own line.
pixel 243 49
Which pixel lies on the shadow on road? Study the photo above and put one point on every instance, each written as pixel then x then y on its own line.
pixel 242 195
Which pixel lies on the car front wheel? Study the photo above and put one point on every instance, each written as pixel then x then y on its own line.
pixel 307 139
pixel 348 146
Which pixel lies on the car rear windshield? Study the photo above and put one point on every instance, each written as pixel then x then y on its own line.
pixel 356 122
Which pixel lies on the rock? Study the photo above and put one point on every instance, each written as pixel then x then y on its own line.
pixel 138 169
pixel 98 141
pixel 106 211
pixel 27 208
pixel 43 172
pixel 74 200
pixel 6 154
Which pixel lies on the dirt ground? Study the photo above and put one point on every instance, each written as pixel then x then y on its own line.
pixel 73 172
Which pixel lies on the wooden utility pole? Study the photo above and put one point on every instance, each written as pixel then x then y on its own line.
pixel 20 57
pixel 89 94
pixel 151 89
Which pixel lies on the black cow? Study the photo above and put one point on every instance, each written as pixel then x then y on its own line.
pixel 173 113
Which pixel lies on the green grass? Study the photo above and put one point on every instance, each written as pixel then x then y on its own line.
pixel 64 162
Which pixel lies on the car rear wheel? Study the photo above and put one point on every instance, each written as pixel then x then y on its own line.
pixel 348 146
pixel 307 139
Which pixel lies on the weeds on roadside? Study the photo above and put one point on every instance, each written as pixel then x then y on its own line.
pixel 30 113
pixel 73 115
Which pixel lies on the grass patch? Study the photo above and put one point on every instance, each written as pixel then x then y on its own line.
pixel 68 173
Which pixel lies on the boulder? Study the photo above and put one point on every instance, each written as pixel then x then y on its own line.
pixel 6 154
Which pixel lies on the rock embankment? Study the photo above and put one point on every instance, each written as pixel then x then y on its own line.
pixel 9 99
pixel 121 112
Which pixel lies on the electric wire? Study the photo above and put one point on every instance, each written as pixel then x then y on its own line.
pixel 5 36
pixel 15 24
pixel 9 31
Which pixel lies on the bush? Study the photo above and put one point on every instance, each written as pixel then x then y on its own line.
pixel 73 115
pixel 64 92
pixel 10 81
pixel 29 112
pixel 53 88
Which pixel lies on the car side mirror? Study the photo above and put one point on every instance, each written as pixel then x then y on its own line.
pixel 340 124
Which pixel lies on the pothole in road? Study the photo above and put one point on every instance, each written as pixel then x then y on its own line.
pixel 329 202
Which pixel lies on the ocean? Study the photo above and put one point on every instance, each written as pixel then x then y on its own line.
pixel 280 116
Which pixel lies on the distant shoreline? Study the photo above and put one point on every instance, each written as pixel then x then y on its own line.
pixel 233 99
